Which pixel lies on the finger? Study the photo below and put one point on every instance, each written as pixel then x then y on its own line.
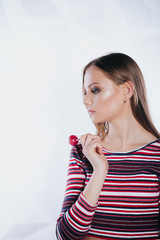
pixel 91 138
pixel 98 147
pixel 94 145
pixel 83 139
pixel 87 138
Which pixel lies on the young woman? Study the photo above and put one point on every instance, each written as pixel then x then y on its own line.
pixel 112 189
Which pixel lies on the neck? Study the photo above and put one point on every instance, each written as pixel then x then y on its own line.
pixel 125 131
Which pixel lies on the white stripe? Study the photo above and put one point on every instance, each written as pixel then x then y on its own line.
pixel 107 203
pixel 130 183
pixel 88 213
pixel 128 178
pixel 74 186
pixel 79 219
pixel 133 175
pixel 156 144
pixel 70 193
pixel 77 225
pixel 130 194
pixel 117 158
pixel 82 176
pixel 58 234
pixel 110 233
pixel 129 209
pixel 132 213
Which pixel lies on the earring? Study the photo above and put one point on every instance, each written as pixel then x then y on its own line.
pixel 125 101
pixel 106 126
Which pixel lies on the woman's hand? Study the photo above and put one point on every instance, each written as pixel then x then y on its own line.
pixel 92 149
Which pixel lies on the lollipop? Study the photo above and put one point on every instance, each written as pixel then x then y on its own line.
pixel 73 140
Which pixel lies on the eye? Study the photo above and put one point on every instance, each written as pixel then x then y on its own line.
pixel 95 90
pixel 84 92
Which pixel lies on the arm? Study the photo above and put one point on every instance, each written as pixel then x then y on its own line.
pixel 77 213
pixel 92 148
pixel 94 186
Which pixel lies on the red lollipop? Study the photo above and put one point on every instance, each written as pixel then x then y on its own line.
pixel 73 140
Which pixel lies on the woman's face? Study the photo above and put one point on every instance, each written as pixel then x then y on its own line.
pixel 102 97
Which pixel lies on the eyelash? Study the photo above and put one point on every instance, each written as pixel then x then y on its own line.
pixel 94 90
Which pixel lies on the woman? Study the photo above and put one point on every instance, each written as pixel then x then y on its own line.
pixel 113 185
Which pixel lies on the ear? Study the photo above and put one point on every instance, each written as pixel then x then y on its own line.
pixel 127 90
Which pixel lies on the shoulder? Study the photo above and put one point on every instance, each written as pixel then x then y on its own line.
pixel 155 147
pixel 76 157
pixel 156 144
pixel 76 151
pixel 80 159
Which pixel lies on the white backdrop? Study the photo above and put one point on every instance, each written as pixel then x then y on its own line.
pixel 44 45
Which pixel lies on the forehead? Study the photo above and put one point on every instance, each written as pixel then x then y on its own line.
pixel 94 74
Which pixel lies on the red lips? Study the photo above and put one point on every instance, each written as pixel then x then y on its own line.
pixel 90 111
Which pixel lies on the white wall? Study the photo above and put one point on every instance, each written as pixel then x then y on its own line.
pixel 44 45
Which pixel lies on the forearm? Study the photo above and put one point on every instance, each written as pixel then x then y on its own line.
pixel 94 186
pixel 75 223
pixel 76 213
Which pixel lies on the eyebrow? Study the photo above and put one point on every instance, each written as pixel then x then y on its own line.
pixel 93 83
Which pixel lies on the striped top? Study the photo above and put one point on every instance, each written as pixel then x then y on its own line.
pixel 128 205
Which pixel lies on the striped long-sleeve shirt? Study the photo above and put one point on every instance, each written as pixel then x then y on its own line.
pixel 128 205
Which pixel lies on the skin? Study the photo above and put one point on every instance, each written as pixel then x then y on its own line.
pixel 106 100
pixel 103 96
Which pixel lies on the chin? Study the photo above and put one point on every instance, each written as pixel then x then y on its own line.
pixel 95 121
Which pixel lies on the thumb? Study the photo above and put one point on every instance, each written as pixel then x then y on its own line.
pixel 99 150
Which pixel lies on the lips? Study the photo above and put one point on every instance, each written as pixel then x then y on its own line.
pixel 91 111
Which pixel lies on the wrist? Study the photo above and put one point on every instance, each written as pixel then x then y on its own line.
pixel 101 169
pixel 98 162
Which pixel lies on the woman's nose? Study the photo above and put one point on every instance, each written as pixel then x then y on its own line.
pixel 87 100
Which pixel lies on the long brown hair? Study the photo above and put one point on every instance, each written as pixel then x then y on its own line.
pixel 121 68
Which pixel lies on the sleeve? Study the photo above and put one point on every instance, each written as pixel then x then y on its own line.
pixel 76 214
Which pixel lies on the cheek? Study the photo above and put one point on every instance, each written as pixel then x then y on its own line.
pixel 110 99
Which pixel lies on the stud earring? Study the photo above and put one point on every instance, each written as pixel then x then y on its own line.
pixel 106 126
